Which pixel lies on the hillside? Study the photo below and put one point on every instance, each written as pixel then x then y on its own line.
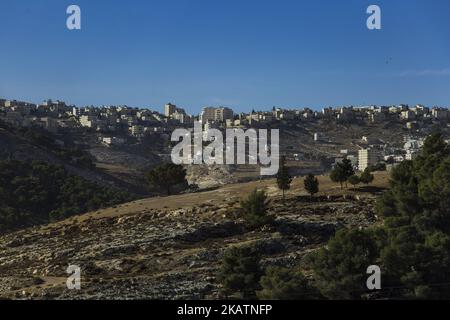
pixel 42 146
pixel 170 247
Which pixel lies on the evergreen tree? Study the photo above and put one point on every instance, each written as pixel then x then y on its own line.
pixel 338 175
pixel 366 177
pixel 354 180
pixel 240 272
pixel 417 254
pixel 284 180
pixel 348 170
pixel 311 184
pixel 167 176
pixel 254 209
pixel 340 267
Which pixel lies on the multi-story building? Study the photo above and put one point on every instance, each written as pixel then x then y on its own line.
pixel 439 113
pixel 407 115
pixel 88 121
pixel 137 131
pixel 182 117
pixel 366 158
pixel 169 109
pixel 223 114
pixel 216 114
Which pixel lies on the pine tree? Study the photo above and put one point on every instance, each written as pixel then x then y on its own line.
pixel 167 176
pixel 342 171
pixel 367 177
pixel 240 272
pixel 354 180
pixel 283 178
pixel 311 184
pixel 347 167
pixel 255 209
pixel 338 175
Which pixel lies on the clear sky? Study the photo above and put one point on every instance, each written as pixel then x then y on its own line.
pixel 240 53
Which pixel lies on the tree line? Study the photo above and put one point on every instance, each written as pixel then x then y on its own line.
pixel 36 192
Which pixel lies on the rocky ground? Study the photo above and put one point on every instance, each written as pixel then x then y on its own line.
pixel 163 249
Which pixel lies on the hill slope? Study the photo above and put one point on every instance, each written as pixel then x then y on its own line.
pixel 170 248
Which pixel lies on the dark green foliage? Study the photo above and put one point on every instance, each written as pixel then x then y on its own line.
pixel 284 284
pixel 416 208
pixel 311 184
pixel 255 209
pixel 340 268
pixel 167 176
pixel 347 167
pixel 240 272
pixel 380 166
pixel 36 192
pixel 44 139
pixel 366 177
pixel 342 171
pixel 354 180
pixel 338 175
pixel 284 180
pixel 413 247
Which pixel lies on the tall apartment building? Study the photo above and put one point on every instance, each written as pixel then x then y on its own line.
pixel 216 114
pixel 223 114
pixel 366 158
pixel 169 109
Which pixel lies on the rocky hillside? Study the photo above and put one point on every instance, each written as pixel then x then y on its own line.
pixel 170 248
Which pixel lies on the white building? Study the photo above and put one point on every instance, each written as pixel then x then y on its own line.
pixel 366 158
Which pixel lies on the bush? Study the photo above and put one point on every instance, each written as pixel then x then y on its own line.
pixel 284 284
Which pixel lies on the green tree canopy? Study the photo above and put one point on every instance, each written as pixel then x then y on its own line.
pixel 338 175
pixel 167 176
pixel 240 272
pixel 366 177
pixel 284 180
pixel 340 268
pixel 254 209
pixel 311 184
pixel 35 192
pixel 354 180
pixel 284 284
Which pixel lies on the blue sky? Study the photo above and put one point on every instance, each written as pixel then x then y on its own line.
pixel 240 53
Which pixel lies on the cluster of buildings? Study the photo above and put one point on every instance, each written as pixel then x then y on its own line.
pixel 370 155
pixel 115 122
